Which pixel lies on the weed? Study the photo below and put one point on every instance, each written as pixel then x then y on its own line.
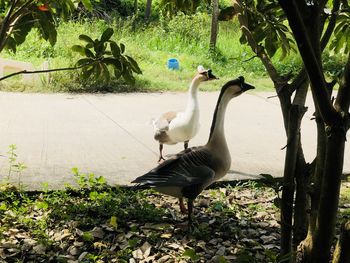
pixel 14 165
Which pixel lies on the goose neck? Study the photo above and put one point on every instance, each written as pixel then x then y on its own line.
pixel 192 103
pixel 217 131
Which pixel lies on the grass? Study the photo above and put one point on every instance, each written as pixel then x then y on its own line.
pixel 185 38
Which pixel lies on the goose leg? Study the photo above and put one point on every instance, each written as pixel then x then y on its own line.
pixel 190 210
pixel 186 144
pixel 182 206
pixel 161 153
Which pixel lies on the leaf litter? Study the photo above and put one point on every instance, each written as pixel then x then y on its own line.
pixel 232 224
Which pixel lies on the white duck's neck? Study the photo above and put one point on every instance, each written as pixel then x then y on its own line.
pixel 192 102
pixel 217 130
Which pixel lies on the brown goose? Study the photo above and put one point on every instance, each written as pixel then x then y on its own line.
pixel 173 127
pixel 189 172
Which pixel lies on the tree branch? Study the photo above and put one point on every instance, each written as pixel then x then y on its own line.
pixel 258 50
pixel 331 25
pixel 43 71
pixel 318 87
pixel 342 102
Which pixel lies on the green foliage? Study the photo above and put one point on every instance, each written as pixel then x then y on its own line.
pixel 172 7
pixel 89 181
pixel 341 38
pixel 19 17
pixel 184 37
pixel 267 22
pixel 103 54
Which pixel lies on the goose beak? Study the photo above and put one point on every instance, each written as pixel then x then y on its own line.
pixel 210 75
pixel 246 86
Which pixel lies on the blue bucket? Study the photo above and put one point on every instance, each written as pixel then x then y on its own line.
pixel 173 63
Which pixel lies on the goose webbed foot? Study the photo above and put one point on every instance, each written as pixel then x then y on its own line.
pixel 161 159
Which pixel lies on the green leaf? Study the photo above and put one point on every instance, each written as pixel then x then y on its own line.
pixel 117 73
pixel 84 61
pixel 87 4
pixel 105 73
pixel 42 205
pixel 89 53
pixel 106 35
pixel 99 48
pixel 113 222
pixel 128 77
pixel 79 49
pixel 86 38
pixel 134 66
pixel 87 72
pixel 122 47
pixel 93 195
pixel 3 206
pixel 190 253
pixel 87 236
pixel 47 27
pixel 115 49
pixel 97 70
pixel 23 27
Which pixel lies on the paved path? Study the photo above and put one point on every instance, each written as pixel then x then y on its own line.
pixel 111 135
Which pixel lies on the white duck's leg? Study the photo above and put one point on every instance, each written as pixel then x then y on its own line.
pixel 161 153
pixel 186 144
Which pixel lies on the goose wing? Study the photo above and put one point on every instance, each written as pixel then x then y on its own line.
pixel 189 170
pixel 162 123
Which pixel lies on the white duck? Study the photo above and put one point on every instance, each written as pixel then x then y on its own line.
pixel 173 127
pixel 189 172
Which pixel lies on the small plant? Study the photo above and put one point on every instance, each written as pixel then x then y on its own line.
pixel 14 165
pixel 104 54
pixel 88 181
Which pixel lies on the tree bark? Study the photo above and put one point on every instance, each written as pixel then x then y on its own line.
pixel 148 9
pixel 342 251
pixel 309 54
pixel 136 7
pixel 214 24
pixel 326 218
pixel 295 116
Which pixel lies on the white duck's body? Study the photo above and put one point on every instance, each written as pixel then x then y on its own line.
pixel 185 125
pixel 174 127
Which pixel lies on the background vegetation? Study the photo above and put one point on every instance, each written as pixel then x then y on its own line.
pixel 184 36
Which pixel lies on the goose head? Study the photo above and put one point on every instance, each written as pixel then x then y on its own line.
pixel 236 87
pixel 205 74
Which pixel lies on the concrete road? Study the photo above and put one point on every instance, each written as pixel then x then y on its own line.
pixel 111 135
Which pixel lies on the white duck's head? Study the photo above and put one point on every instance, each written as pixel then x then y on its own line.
pixel 204 74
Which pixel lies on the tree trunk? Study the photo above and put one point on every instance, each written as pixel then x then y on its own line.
pixel 342 250
pixel 326 218
pixel 214 24
pixel 320 236
pixel 302 202
pixel 148 9
pixel 302 169
pixel 295 116
pixel 136 7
